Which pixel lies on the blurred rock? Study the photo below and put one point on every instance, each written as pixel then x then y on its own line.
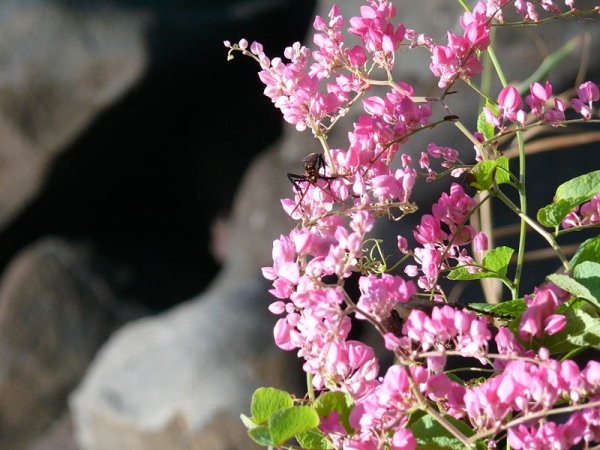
pixel 55 311
pixel 181 379
pixel 59 68
pixel 58 437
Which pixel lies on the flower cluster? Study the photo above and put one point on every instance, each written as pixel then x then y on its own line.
pixel 586 214
pixel 450 213
pixel 539 318
pixel 458 58
pixel 527 383
pixel 319 264
pixel 543 106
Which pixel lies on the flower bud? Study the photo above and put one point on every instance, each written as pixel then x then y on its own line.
pixel 480 245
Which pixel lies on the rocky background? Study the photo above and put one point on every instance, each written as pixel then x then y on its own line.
pixel 139 178
pixel 124 134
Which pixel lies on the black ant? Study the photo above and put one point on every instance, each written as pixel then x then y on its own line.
pixel 313 164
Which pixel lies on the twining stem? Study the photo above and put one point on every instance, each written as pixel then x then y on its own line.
pixel 523 204
pixel 323 140
pixel 496 64
pixel 525 219
pixel 425 406
pixel 309 387
pixel 531 417
pixel 469 136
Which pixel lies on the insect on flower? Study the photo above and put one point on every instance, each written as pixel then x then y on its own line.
pixel 313 165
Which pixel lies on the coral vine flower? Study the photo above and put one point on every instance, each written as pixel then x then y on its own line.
pixel 588 93
pixel 312 263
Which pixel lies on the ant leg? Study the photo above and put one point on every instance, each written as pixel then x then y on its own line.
pixel 295 179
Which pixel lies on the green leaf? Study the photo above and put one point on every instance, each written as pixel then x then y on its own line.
pixel 431 435
pixel 484 172
pixel 483 126
pixel 463 274
pixel 583 330
pixel 587 273
pixel 570 285
pixel 495 261
pixel 569 195
pixel 287 423
pixel 513 308
pixel 313 439
pixel 261 436
pixel 582 186
pixel 498 259
pixel 266 401
pixel 577 288
pixel 553 214
pixel 587 251
pixel 335 401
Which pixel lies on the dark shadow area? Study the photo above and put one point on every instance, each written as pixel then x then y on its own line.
pixel 144 183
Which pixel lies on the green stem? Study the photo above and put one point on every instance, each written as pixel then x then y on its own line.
pixel 309 387
pixel 328 158
pixel 496 64
pixel 532 416
pixel 468 135
pixel 465 5
pixel 523 204
pixel 533 224
pixel 486 76
pixel 425 406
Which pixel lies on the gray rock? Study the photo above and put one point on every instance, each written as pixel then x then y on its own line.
pixel 54 313
pixel 181 379
pixel 58 437
pixel 59 68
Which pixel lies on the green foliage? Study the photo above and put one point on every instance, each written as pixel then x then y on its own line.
pixel 314 439
pixel 587 251
pixel 487 171
pixel 512 308
pixel 287 423
pixel 585 283
pixel 483 126
pixel 583 329
pixel 335 401
pixel 431 435
pixel 267 401
pixel 275 419
pixel 569 195
pixel 495 264
pixel 261 436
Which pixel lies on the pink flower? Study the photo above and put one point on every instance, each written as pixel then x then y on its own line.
pixel 357 56
pixel 441 389
pixel 539 308
pixel 510 104
pixel 429 231
pixel 554 323
pixel 591 374
pixel 590 211
pixel 283 334
pixel 588 92
pixel 378 35
pixel 480 245
pixel 332 424
pixel 403 440
pixel 380 294
pixel 431 262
